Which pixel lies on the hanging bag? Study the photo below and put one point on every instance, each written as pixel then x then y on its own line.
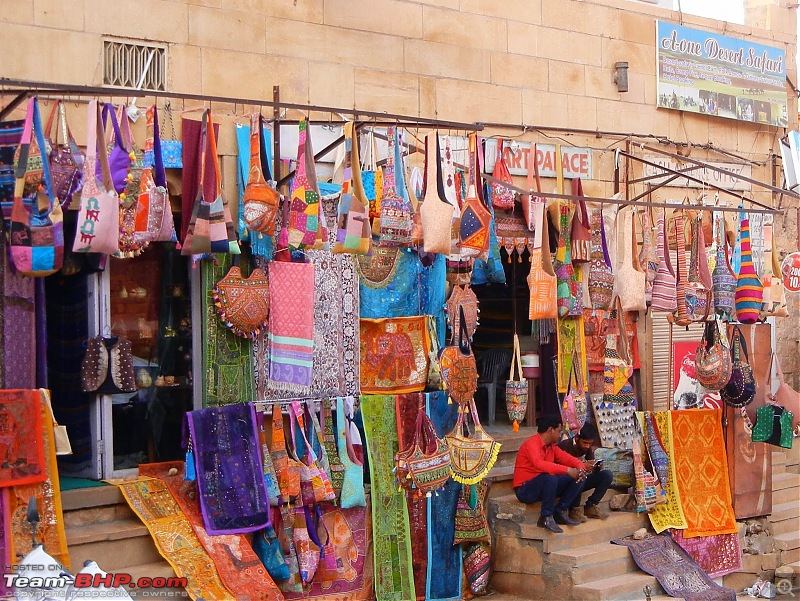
pixel 472 453
pixel 681 316
pixel 713 358
pixel 774 304
pixel 242 303
pixel 542 282
pixel 741 387
pixel 98 216
pixel 470 519
pixel 261 201
pixel 629 280
pixel 372 178
pixel 749 291
pixel 395 215
pixel 315 486
pixel 425 465
pixel 67 160
pixel 475 222
pixel 600 281
pixel 502 196
pixel 435 212
pixel 699 296
pixel 287 468
pixel 664 284
pixel 581 235
pixel 462 298
pixel 353 232
pixel 723 278
pixel 649 491
pixel 211 228
pixel 36 241
pixel 394 354
pixel 130 244
pixel 154 219
pixel 457 364
pixel 569 292
pixel 119 159
pixel 648 256
pixel 516 389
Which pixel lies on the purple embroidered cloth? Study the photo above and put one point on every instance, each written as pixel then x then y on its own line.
pixel 230 477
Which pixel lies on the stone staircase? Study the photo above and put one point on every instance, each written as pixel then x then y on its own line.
pixel 582 564
pixel 100 526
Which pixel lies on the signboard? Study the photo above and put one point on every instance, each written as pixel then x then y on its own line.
pixel 575 162
pixel 790 270
pixel 713 74
pixel 723 180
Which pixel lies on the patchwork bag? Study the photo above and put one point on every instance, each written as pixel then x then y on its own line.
pixel 308 552
pixel 699 293
pixel 243 303
pixel 648 487
pixel 749 291
pixel 601 278
pixel 267 547
pixel 713 359
pixel 425 465
pixel 457 364
pixel 723 278
pixel 472 452
pixel 394 355
pixel 462 298
pixel 516 389
pixel 353 232
pixel 67 160
pixel 372 178
pixel 211 228
pixel 98 216
pixel 681 277
pixel 477 566
pixel 741 387
pixel 502 196
pixel 315 486
pixel 470 519
pixel 474 227
pixel 261 201
pixel 36 241
pixel 664 291
pixel 648 256
pixel 569 291
pixel 436 214
pixel 287 468
pixel 154 219
pixel 396 211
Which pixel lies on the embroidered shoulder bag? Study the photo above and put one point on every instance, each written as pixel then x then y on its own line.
pixel 568 292
pixel 749 291
pixel 315 486
pixel 436 213
pixel 475 219
pixel 472 453
pixel 581 235
pixel 287 468
pixel 713 359
pixel 36 242
pixel 243 303
pixel 462 298
pixel 98 216
pixel 664 294
pixel 353 232
pixel 261 201
pixel 502 196
pixel 470 519
pixel 516 389
pixel 425 465
pixel 171 149
pixel 457 363
pixel 542 281
pixel 395 215
pixel 648 256
pixel 601 278
pixel 723 278
pixel 699 290
pixel 154 220
pixel 67 160
pixel 741 388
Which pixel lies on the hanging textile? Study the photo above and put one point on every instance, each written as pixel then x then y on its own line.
pixel 718 555
pixel 669 514
pixel 291 327
pixel 571 348
pixel 17 302
pixel 239 568
pixel 705 493
pixel 406 408
pixel 230 477
pixel 489 270
pixel 389 282
pixel 48 501
pixel 151 500
pixel 228 363
pixel 22 437
pixel 10 135
pixel 260 244
pixel 394 579
pixel 443 582
pixel 5 536
pixel 394 354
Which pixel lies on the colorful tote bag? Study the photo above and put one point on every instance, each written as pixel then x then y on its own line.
pixel 516 389
pixel 154 219
pixel 98 216
pixel 648 255
pixel 601 278
pixel 749 291
pixel 171 148
pixel 36 240
pixel 476 220
pixel 457 364
pixel 424 466
pixel 119 159
pixel 723 278
pixel 472 451
pixel 462 298
pixel 569 291
pixel 211 228
pixel 712 359
pixel 581 229
pixel 66 159
pixel 243 303
pixel 542 281
pixel 664 291
pixel 372 177
pixel 287 468
pixel 353 231
pixel 502 196
pixel 436 213
pixel 682 274
pixel 394 355
pixel 470 520
pixel 304 226
pixel 396 213
pixel 699 293
pixel 315 486
pixel 261 201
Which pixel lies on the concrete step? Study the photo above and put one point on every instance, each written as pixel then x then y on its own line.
pixel 76 518
pixel 113 545
pixel 153 570
pixel 788 541
pixel 786 495
pixel 784 511
pixel 779 459
pixel 790 556
pixel 624 587
pixel 785 480
pixel 791 524
pixel 511 518
pixel 82 498
pixel 592 562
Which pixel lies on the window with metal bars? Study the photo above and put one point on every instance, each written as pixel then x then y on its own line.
pixel 136 65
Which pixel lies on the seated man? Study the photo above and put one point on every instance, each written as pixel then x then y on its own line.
pixel 597 478
pixel 543 472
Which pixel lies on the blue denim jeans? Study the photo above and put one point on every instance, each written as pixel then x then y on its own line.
pixel 600 481
pixel 547 489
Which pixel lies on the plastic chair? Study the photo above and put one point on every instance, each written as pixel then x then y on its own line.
pixel 494 366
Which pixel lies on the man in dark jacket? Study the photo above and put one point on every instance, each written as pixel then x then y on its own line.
pixel 543 472
pixel 597 478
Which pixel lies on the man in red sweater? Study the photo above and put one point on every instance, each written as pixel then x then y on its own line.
pixel 543 472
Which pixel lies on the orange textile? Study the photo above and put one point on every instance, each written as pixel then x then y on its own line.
pixel 239 568
pixel 701 467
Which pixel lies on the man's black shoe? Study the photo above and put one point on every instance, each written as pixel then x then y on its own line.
pixel 549 523
pixel 561 517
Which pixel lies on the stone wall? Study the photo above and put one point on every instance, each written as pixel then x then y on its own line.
pixel 532 62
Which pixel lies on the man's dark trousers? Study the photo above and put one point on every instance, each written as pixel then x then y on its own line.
pixel 547 488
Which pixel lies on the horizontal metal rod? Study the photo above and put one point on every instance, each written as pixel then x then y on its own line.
pixel 639 180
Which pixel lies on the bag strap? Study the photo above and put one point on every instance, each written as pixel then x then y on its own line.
pixel 168 109
pixel 623 351
pixel 159 174
pixel 463 339
pixel 535 169
pixel 516 361
pixel 108 110
pixel 212 141
pixel 201 157
pixel 296 414
pixel 581 214
pixel 125 128
pixel 40 141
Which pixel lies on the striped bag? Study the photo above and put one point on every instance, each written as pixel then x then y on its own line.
pixel 749 291
pixel 664 294
pixel 681 314
pixel 723 278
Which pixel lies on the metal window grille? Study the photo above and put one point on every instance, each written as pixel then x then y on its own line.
pixel 135 65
